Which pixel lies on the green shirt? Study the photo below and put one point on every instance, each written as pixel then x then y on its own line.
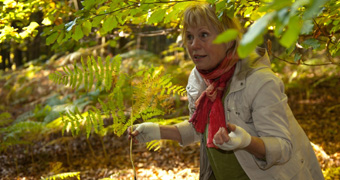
pixel 224 164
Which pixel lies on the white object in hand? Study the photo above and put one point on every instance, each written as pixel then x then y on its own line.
pixel 147 132
pixel 239 139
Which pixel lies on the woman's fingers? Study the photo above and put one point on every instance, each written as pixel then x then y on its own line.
pixel 221 136
pixel 132 134
pixel 218 137
pixel 225 136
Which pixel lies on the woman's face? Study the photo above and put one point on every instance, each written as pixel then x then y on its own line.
pixel 202 51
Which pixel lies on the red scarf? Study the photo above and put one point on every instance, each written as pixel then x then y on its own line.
pixel 209 104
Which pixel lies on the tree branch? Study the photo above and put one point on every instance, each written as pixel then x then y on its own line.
pixel 303 63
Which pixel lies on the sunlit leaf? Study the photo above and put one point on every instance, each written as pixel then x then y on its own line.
pixel 226 36
pixel 292 33
pixel 245 49
pixel 51 38
pixel 254 35
pixel 88 4
pixel 157 16
pixel 78 33
pixel 275 5
pixel 86 27
pixel 61 37
pixel 97 20
pixel 109 23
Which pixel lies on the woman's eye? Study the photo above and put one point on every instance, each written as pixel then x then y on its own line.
pixel 189 37
pixel 205 34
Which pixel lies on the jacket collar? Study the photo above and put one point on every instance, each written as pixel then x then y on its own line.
pixel 256 60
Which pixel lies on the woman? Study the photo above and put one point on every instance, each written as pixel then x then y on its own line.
pixel 238 110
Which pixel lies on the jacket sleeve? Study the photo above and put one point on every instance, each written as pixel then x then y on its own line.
pixel 185 128
pixel 188 133
pixel 271 122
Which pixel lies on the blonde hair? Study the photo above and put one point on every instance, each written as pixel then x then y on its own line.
pixel 203 13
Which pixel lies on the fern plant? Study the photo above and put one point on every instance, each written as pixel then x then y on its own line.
pixel 68 175
pixel 143 96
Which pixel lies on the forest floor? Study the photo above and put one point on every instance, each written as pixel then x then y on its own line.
pixel 316 107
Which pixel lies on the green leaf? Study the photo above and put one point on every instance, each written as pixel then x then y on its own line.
pixel 292 34
pixel 314 9
pixel 275 5
pixel 226 36
pixel 61 37
pixel 97 20
pixel 245 49
pixel 51 38
pixel 220 5
pixel 157 16
pixel 290 49
pixel 211 1
pixel 88 4
pixel 86 27
pixel 254 35
pixel 312 43
pixel 78 33
pixel 102 9
pixel 307 27
pixel 297 57
pixel 176 10
pixel 283 16
pixel 109 23
pixel 112 43
pixel 258 28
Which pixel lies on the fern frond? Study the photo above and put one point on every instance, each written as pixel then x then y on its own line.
pixel 108 74
pixel 20 133
pixel 90 74
pixel 155 144
pixel 74 76
pixel 5 118
pixel 79 74
pixel 66 71
pixel 100 120
pixel 74 121
pixel 150 113
pixel 88 125
pixel 94 72
pixel 67 175
pixel 101 70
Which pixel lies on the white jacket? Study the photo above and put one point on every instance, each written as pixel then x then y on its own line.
pixel 256 102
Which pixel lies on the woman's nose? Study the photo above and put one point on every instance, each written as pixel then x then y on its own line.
pixel 196 44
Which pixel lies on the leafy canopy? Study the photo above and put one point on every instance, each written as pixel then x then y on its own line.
pixel 310 23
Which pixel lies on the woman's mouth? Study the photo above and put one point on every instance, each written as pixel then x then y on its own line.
pixel 198 57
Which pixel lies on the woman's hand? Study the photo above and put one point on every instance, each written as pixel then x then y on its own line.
pixel 145 132
pixel 238 138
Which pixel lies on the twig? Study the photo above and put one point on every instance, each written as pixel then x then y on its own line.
pixel 320 29
pixel 103 145
pixel 131 158
pixel 303 63
pixel 90 146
